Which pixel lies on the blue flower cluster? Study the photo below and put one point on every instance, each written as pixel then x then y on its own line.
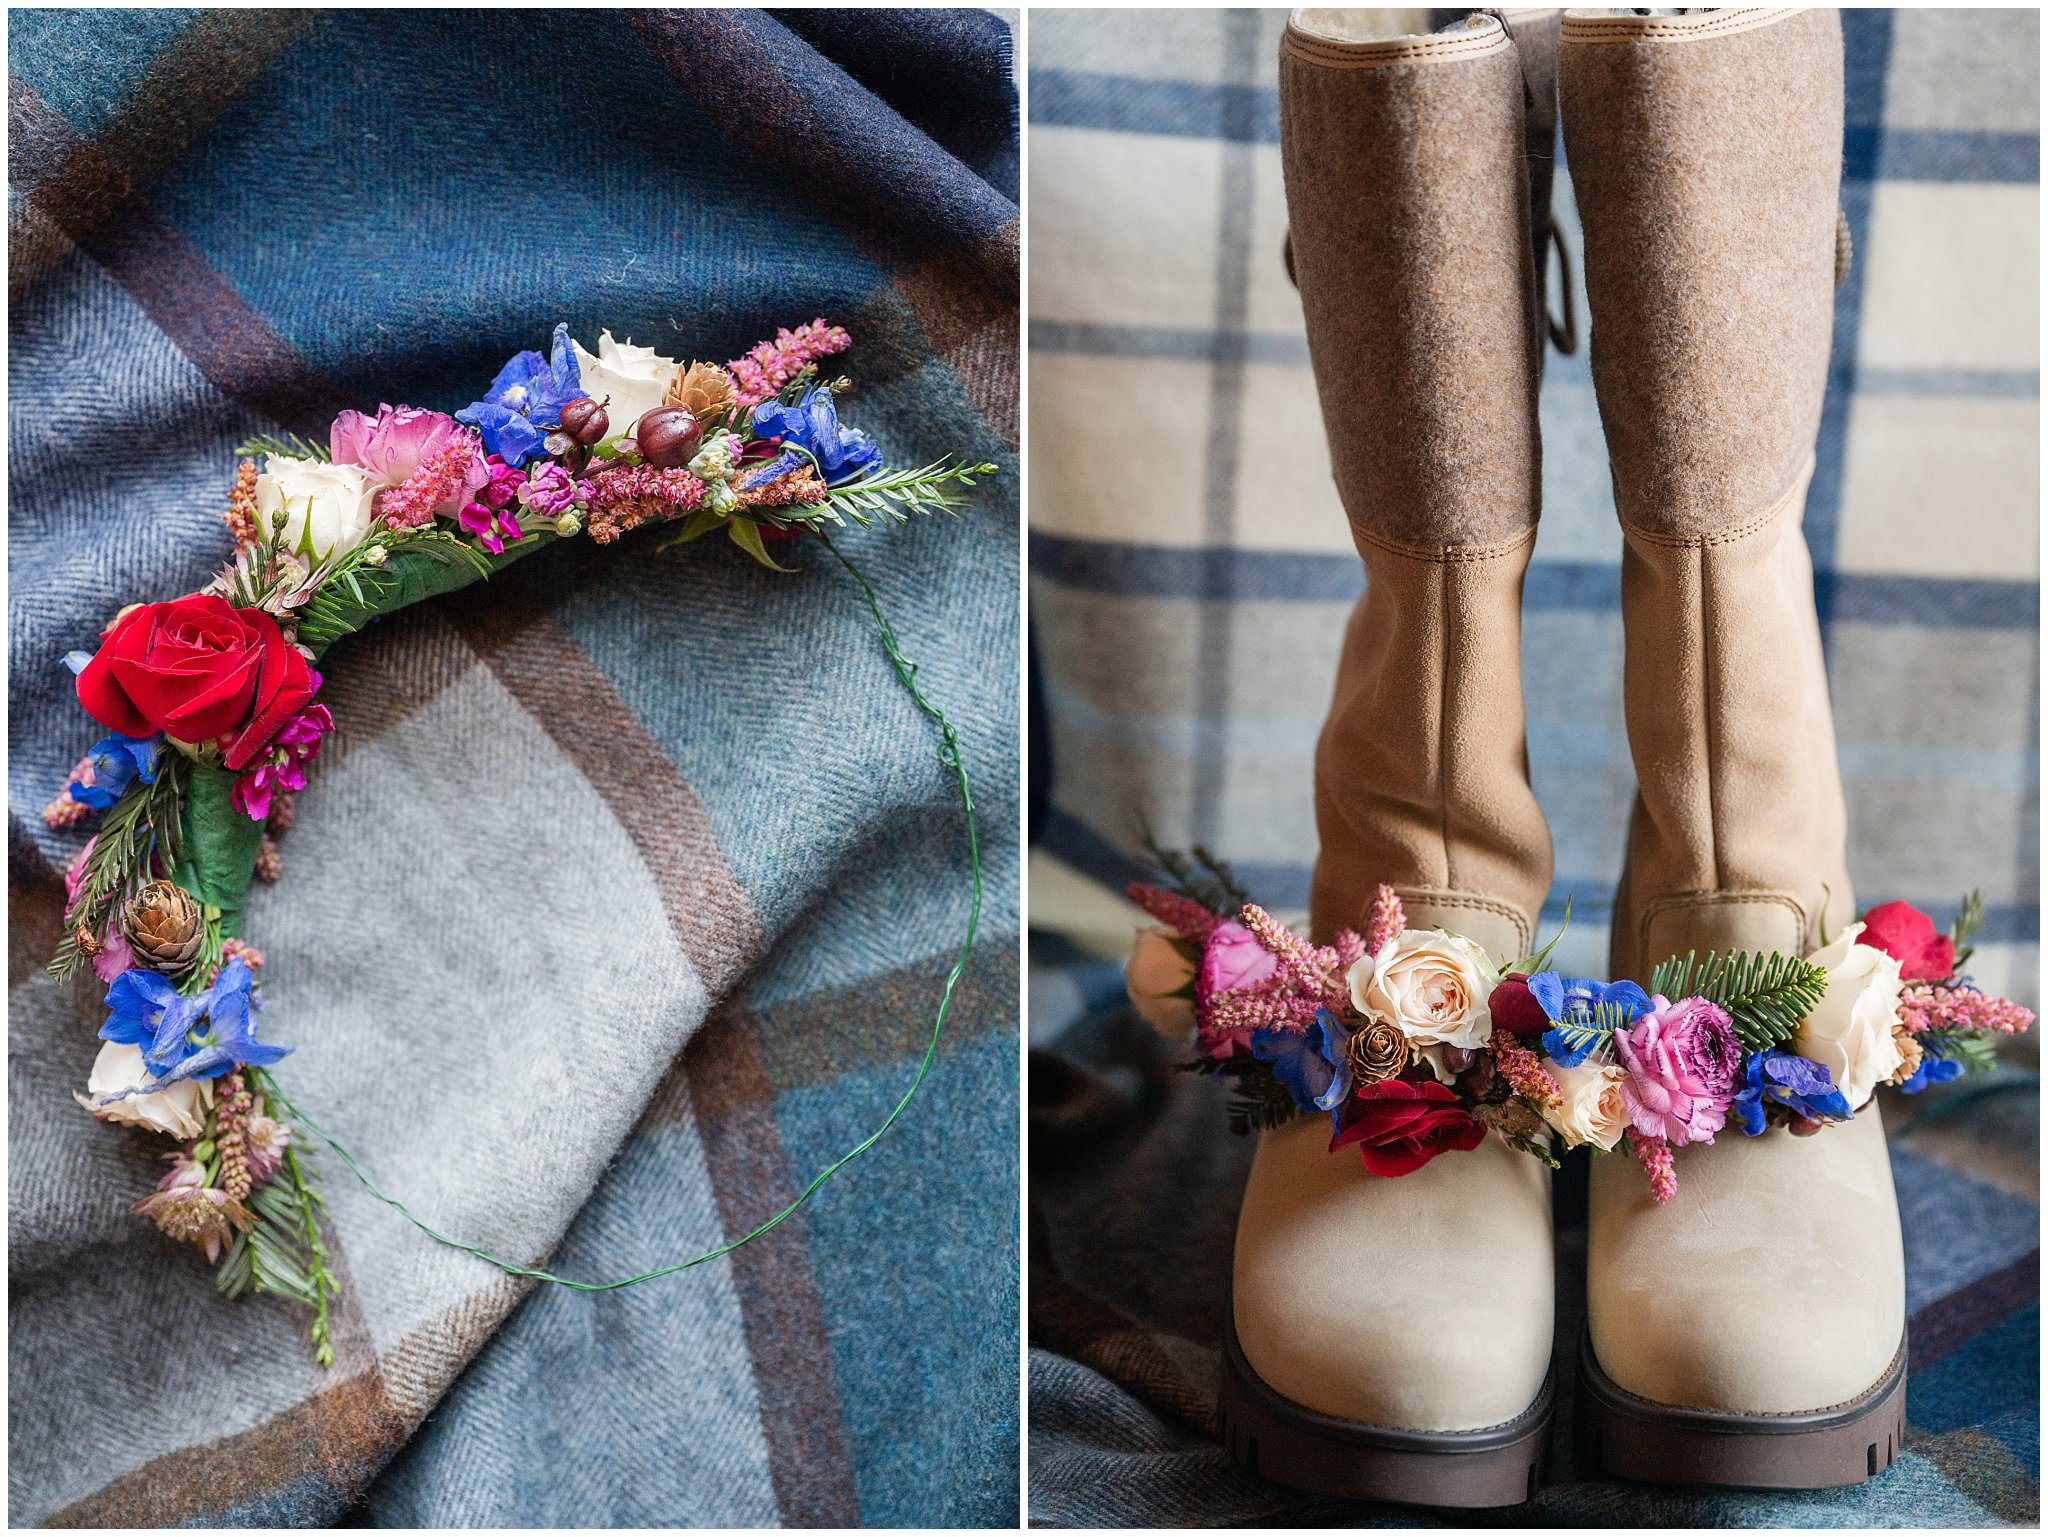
pixel 1310 1062
pixel 1585 1012
pixel 117 762
pixel 1800 1084
pixel 205 1035
pixel 812 424
pixel 524 403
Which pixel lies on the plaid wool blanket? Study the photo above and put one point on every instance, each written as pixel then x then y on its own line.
pixel 620 902
pixel 1186 615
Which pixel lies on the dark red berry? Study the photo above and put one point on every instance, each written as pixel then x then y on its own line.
pixel 585 420
pixel 669 437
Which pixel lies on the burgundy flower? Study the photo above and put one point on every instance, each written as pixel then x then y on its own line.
pixel 1398 1126
pixel 1515 1009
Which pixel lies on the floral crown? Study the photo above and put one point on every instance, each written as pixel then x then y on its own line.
pixel 1415 1044
pixel 210 702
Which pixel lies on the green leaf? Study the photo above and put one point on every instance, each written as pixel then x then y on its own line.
pixel 1529 965
pixel 748 537
pixel 1766 993
pixel 695 526
pixel 287 445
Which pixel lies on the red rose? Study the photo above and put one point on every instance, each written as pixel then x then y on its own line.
pixel 1515 1009
pixel 1399 1126
pixel 1907 935
pixel 197 669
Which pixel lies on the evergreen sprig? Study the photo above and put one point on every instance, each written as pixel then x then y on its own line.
pixel 1203 878
pixel 284 1252
pixel 138 835
pixel 1259 1101
pixel 283 446
pixel 894 495
pixel 1766 993
pixel 1969 923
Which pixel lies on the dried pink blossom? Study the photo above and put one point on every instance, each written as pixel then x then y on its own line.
pixel 1654 1154
pixel 768 366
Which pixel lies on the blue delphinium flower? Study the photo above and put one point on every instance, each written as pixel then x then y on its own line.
pixel 143 1004
pixel 812 424
pixel 1310 1062
pixel 525 401
pixel 218 1035
pixel 117 761
pixel 1932 1069
pixel 1586 1010
pixel 1800 1084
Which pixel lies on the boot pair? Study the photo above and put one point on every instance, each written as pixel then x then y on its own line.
pixel 1392 1338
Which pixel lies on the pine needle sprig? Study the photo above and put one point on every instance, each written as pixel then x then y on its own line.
pixel 287 445
pixel 284 1253
pixel 894 495
pixel 139 835
pixel 1203 877
pixel 1766 994
pixel 1969 923
pixel 1977 1051
pixel 1259 1101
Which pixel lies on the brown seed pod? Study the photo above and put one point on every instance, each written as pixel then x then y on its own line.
pixel 669 437
pixel 586 420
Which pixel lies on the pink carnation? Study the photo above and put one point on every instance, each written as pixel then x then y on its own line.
pixel 1683 1062
pixel 392 446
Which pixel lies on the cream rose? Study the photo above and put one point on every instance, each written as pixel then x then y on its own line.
pixel 327 507
pixel 179 1111
pixel 634 377
pixel 1160 980
pixel 1850 1032
pixel 1589 1108
pixel 1432 984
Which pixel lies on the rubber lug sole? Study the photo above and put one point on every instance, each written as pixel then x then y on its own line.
pixel 1631 1437
pixel 1280 1440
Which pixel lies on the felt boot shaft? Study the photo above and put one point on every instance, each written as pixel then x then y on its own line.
pixel 1706 159
pixel 1408 202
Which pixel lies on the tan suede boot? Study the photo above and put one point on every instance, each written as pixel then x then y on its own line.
pixel 1752 1331
pixel 1391 1337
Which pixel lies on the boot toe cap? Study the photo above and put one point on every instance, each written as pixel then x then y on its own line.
pixel 1422 1302
pixel 1774 1283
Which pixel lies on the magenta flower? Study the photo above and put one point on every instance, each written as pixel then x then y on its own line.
pixel 491 517
pixel 1683 1062
pixel 391 447
pixel 283 764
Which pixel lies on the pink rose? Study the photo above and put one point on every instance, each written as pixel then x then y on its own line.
pixel 1683 1062
pixel 390 447
pixel 1234 959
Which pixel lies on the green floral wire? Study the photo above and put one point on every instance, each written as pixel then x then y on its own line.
pixel 949 757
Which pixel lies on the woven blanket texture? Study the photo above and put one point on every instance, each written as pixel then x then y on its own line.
pixel 620 903
pixel 1186 616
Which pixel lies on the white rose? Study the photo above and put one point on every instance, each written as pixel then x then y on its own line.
pixel 1850 1031
pixel 179 1111
pixel 1590 1108
pixel 634 377
pixel 1159 978
pixel 327 507
pixel 1430 984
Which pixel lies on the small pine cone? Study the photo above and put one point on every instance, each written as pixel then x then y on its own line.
pixel 1376 1052
pixel 703 389
pixel 164 927
pixel 269 863
pixel 87 942
pixel 1910 1053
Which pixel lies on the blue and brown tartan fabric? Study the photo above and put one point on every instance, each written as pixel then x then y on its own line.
pixel 620 902
pixel 1190 574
